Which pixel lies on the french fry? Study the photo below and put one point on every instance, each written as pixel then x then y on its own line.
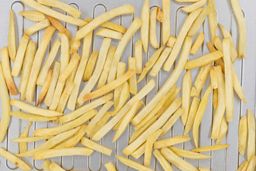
pixel 168 83
pixel 213 78
pixel 139 152
pixel 197 44
pixel 37 27
pixel 95 146
pixel 212 18
pixel 180 39
pixel 23 147
pixel 243 131
pixel 125 96
pixel 159 63
pixel 243 166
pixel 186 1
pixel 51 153
pixel 108 33
pixel 198 22
pixel 59 26
pixel 46 165
pixel 48 11
pixel 144 32
pixel 237 86
pixel 54 166
pixel 138 54
pixel 241 27
pixel 193 7
pixel 110 167
pixel 171 141
pixel 48 63
pixel 132 81
pixel 20 55
pixel 120 114
pixel 136 24
pixel 31 139
pixel 176 160
pixel 33 15
pixel 132 164
pixel 159 14
pixel 14 159
pixel 12 49
pixel 64 96
pixel 32 117
pixel 30 91
pixel 90 66
pixel 45 87
pixel 163 162
pixel 64 50
pixel 223 131
pixel 251 134
pixel 189 154
pixel 252 164
pixel 152 29
pixel 7 72
pixel 169 124
pixel 211 148
pixel 33 110
pixel 171 41
pixel 199 115
pixel 166 5
pixel 122 10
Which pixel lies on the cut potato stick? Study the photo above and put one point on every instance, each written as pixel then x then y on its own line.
pixel 23 146
pixel 31 139
pixel 33 15
pixel 193 7
pixel 215 98
pixel 95 146
pixel 241 27
pixel 55 76
pixel 48 63
pixel 32 109
pixel 198 22
pixel 139 152
pixel 150 63
pixel 166 5
pixel 64 51
pixel 7 72
pixel 37 27
pixel 26 68
pixel 204 60
pixel 136 24
pixel 223 131
pixel 125 96
pixel 45 87
pixel 186 89
pixel 189 154
pixel 243 131
pixel 122 10
pixel 64 96
pixel 180 39
pixel 176 160
pixel 30 92
pixel 118 99
pixel 138 54
pixel 251 134
pixel 108 33
pixel 110 166
pixel 132 164
pixel 197 44
pixel 12 47
pixel 212 18
pixel 17 65
pixel 55 167
pixel 163 162
pixel 211 148
pixel 171 141
pixel 237 86
pixel 252 164
pixel 170 82
pixel 48 11
pixel 169 124
pixel 152 29
pixel 91 65
pixel 171 41
pixel 213 78
pixel 59 26
pixel 120 114
pixel 69 9
pixel 159 63
pixel 14 159
pixel 144 32
pixel 199 115
pixel 51 153
pixel 31 117
pixel 132 81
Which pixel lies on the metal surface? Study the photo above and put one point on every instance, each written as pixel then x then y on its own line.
pixel 226 160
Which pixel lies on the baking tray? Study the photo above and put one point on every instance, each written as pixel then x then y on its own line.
pixel 226 160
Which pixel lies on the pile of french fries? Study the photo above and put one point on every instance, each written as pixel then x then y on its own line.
pixel 89 93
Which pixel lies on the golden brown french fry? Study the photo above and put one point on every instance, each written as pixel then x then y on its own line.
pixel 45 87
pixel 194 6
pixel 197 44
pixel 180 39
pixel 136 24
pixel 144 32
pixel 138 54
pixel 122 10
pixel 110 167
pixel 91 65
pixel 212 18
pixel 33 15
pixel 132 164
pixel 12 36
pixel 176 160
pixel 23 146
pixel 251 134
pixel 166 23
pixel 171 41
pixel 7 71
pixel 37 27
pixel 199 115
pixel 132 81
pixel 243 131
pixel 31 117
pixel 198 22
pixel 108 33
pixel 163 162
pixel 211 148
pixel 14 159
pixel 95 146
pixel 189 154
pixel 252 164
pixel 152 29
pixel 20 55
pixel 171 141
pixel 48 63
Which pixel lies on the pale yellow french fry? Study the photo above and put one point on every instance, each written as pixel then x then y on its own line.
pixel 30 91
pixel 166 29
pixel 204 60
pixel 48 63
pixel 252 164
pixel 241 27
pixel 121 68
pixel 31 117
pixel 171 141
pixel 59 26
pixel 14 159
pixel 138 54
pixel 23 146
pixel 251 134
pixel 91 65
pixel 45 87
pixel 31 139
pixel 237 86
pixel 163 162
pixel 212 18
pixel 139 152
pixel 189 154
pixel 64 50
pixel 243 131
pixel 223 131
pixel 125 96
pixel 152 29
pixel 213 78
pixel 26 68
pixel 170 82
pixel 136 24
pixel 64 96
pixel 132 164
pixel 37 27
pixel 33 15
pixel 149 146
pixel 171 41
pixel 194 6
pixel 169 124
pixel 186 89
pixel 95 146
pixel 180 39
pixel 144 32
pixel 198 22
pixel 7 72
pixel 110 166
pixel 243 166
pixel 215 98
pixel 159 63
pixel 51 153
pixel 197 44
pixel 55 167
pixel 199 115
pixel 55 76
pixel 108 33
pixel 150 63
pixel 211 148
pixel 132 81
pixel 12 47
pixel 17 65
pixel 176 160
pixel 46 165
